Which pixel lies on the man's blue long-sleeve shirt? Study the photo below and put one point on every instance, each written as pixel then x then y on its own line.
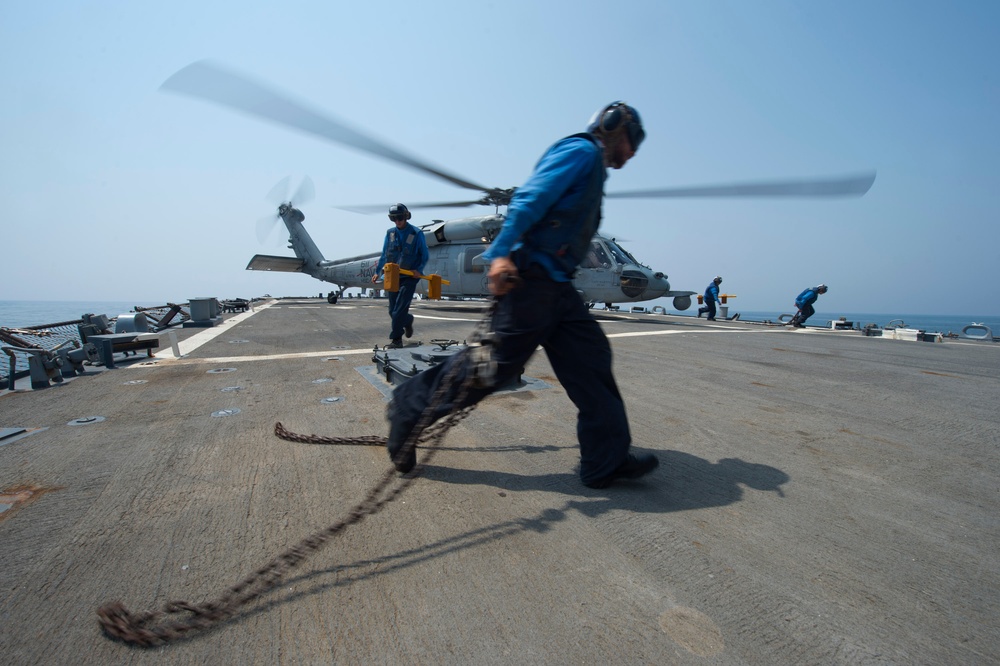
pixel 406 247
pixel 807 297
pixel 559 179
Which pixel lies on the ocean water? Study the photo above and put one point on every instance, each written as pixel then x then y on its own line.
pixel 14 314
pixel 17 314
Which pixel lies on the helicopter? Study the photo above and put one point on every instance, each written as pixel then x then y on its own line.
pixel 608 274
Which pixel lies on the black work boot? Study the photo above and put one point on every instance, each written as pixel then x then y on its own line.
pixel 635 466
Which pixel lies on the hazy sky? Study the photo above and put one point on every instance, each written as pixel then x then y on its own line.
pixel 114 190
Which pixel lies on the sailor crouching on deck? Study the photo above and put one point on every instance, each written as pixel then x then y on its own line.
pixel 550 222
pixel 804 302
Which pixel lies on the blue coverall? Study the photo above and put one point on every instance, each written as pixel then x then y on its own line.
pixel 408 248
pixel 711 296
pixel 544 310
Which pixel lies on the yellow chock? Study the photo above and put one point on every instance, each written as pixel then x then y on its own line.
pixel 390 280
pixel 434 287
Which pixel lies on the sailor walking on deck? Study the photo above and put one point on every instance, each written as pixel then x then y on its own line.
pixel 404 245
pixel 547 232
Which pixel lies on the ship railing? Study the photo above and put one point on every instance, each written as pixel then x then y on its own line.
pixel 50 336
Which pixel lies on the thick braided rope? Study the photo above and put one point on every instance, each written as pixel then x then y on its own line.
pixel 151 628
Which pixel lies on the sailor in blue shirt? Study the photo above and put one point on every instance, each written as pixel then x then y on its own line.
pixel 804 303
pixel 711 297
pixel 404 245
pixel 550 222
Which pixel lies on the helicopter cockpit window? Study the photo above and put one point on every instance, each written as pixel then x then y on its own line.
pixel 620 255
pixel 597 257
pixel 470 254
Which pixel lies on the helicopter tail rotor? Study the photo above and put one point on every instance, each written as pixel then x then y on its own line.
pixel 278 198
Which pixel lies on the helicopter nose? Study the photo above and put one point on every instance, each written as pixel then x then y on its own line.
pixel 641 284
pixel 634 283
pixel 658 286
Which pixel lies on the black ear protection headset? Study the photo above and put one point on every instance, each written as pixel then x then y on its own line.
pixel 612 116
pixel 617 116
pixel 399 212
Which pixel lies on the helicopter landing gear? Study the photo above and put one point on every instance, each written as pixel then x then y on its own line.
pixel 331 298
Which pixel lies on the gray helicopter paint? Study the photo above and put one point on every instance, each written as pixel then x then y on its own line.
pixel 610 274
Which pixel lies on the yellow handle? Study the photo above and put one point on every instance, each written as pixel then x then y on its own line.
pixel 391 281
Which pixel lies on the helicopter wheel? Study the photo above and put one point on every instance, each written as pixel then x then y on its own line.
pixel 331 298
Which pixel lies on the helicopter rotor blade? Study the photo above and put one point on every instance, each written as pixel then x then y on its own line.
pixel 206 81
pixel 832 187
pixel 305 193
pixel 376 208
pixel 265 226
pixel 279 193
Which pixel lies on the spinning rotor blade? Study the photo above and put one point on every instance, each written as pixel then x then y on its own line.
pixel 375 208
pixel 208 82
pixel 265 226
pixel 834 187
pixel 305 193
pixel 278 196
pixel 279 193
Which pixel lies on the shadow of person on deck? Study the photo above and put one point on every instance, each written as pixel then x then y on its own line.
pixel 682 482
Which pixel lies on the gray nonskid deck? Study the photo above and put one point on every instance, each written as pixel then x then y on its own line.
pixel 823 498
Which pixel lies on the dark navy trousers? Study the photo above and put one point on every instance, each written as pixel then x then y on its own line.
pixel 399 305
pixel 709 308
pixel 551 314
pixel 806 311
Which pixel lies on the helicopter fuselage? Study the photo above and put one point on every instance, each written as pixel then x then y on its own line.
pixel 609 273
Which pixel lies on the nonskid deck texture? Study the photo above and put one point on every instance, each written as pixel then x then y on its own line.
pixel 823 497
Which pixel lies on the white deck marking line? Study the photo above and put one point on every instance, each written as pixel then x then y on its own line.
pixel 639 334
pixel 197 340
pixel 264 357
pixel 420 316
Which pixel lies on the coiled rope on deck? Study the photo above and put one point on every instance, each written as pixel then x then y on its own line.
pixel 153 628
